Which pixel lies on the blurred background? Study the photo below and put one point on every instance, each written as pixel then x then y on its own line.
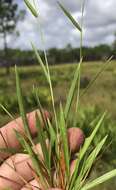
pixel 62 43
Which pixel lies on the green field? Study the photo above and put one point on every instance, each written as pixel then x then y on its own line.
pixel 102 94
pixel 99 98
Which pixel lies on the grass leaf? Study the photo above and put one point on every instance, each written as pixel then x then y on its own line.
pixel 63 130
pixel 72 91
pixel 52 133
pixel 100 180
pixel 33 156
pixel 104 66
pixel 89 162
pixel 42 141
pixel 94 153
pixel 10 150
pixel 21 105
pixel 85 148
pixel 90 139
pixel 40 61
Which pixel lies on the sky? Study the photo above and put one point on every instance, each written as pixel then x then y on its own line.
pixel 98 28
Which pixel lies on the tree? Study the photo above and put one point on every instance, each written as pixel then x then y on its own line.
pixel 114 42
pixel 9 16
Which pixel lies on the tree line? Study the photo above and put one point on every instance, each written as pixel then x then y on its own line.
pixel 10 15
pixel 57 56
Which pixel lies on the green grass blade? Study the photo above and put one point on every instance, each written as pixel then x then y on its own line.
pixel 74 176
pixel 78 91
pixel 7 112
pixel 52 133
pixel 100 180
pixel 10 150
pixel 73 21
pixel 85 148
pixel 31 8
pixel 33 156
pixel 47 75
pixel 40 61
pixel 63 130
pixel 21 104
pixel 19 137
pixel 105 65
pixel 35 162
pixel 42 141
pixel 94 154
pixel 40 107
pixel 90 139
pixel 72 91
pixel 53 141
pixel 49 130
pixel 89 162
pixel 79 177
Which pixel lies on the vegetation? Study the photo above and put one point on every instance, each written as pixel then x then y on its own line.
pixel 65 55
pixel 61 77
pixel 9 16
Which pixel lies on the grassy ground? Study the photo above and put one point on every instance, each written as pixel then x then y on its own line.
pixel 102 93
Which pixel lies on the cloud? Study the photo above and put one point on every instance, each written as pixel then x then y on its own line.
pixel 99 24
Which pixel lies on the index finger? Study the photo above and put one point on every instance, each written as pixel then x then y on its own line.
pixel 7 135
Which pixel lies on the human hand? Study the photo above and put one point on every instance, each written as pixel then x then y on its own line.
pixel 15 171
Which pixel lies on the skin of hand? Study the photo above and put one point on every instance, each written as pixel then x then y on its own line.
pixel 15 170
